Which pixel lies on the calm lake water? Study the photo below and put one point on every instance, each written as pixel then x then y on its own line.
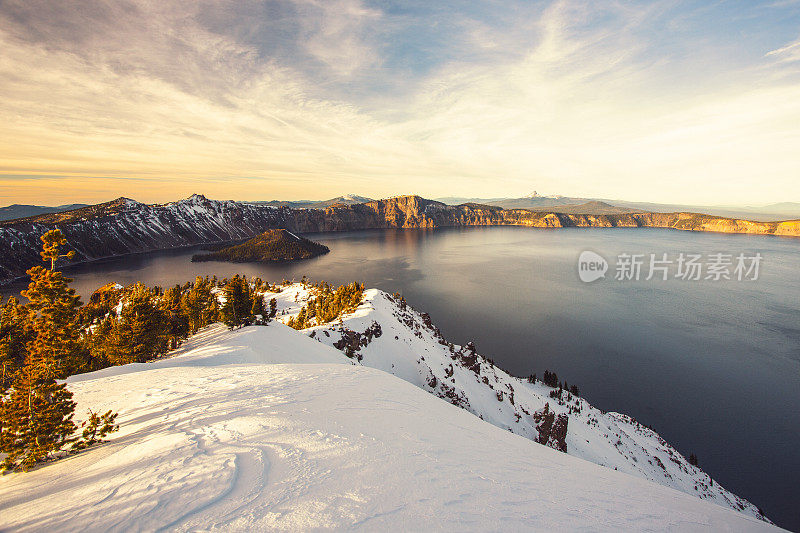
pixel 713 366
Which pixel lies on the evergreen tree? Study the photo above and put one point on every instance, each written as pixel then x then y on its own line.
pixel 550 379
pixel 36 418
pixel 238 306
pixel 35 410
pixel 328 304
pixel 95 429
pixel 178 321
pixel 258 310
pixel 55 325
pixel 200 305
pixel 273 307
pixel 15 334
pixel 52 241
pixel 98 340
pixel 140 332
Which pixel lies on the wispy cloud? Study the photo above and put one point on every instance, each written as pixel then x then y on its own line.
pixel 790 52
pixel 337 34
pixel 309 98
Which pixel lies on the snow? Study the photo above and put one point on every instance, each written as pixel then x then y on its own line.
pixel 414 352
pixel 264 428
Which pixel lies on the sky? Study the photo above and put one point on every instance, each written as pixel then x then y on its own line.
pixel 663 101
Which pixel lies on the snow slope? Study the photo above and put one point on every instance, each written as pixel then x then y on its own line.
pixel 226 435
pixel 411 348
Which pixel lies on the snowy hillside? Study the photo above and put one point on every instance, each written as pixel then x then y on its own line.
pixel 219 436
pixel 387 334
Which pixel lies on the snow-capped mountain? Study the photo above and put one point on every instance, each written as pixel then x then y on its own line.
pixel 387 334
pixel 263 428
pixel 126 226
pixel 535 194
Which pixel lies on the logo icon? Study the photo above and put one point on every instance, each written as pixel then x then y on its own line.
pixel 591 266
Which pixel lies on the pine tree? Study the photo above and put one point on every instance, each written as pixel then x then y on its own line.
pixel 178 321
pixel 141 332
pixel 36 419
pixel 237 309
pixel 36 414
pixel 55 325
pixel 45 335
pixel 15 334
pixel 258 310
pixel 52 241
pixel 200 305
pixel 95 429
pixel 99 342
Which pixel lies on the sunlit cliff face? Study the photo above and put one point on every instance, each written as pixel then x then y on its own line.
pixel 303 99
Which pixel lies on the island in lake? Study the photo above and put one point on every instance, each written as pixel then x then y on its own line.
pixel 275 245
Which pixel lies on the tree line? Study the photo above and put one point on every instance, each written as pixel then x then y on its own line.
pixel 328 304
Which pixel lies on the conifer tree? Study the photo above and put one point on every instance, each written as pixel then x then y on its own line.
pixel 178 321
pixel 237 309
pixel 53 307
pixel 15 333
pixel 36 411
pixel 258 310
pixel 99 342
pixel 141 331
pixel 36 418
pixel 95 429
pixel 52 241
pixel 199 304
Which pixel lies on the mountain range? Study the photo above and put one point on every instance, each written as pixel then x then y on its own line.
pixel 126 226
pixel 564 204
pixel 347 199
pixel 13 211
pixel 536 202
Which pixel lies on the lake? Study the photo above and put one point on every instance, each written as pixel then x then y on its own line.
pixel 714 366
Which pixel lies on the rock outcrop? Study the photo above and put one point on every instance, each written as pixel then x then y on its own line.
pixel 552 428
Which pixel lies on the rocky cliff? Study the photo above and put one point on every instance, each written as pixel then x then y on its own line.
pixel 125 226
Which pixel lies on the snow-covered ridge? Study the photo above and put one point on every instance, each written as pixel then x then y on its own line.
pixel 265 429
pixel 387 334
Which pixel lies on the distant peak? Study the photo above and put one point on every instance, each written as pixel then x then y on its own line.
pixel 126 202
pixel 535 194
pixel 354 197
pixel 197 198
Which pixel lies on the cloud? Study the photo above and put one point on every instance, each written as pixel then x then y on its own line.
pixel 790 52
pixel 309 98
pixel 338 34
